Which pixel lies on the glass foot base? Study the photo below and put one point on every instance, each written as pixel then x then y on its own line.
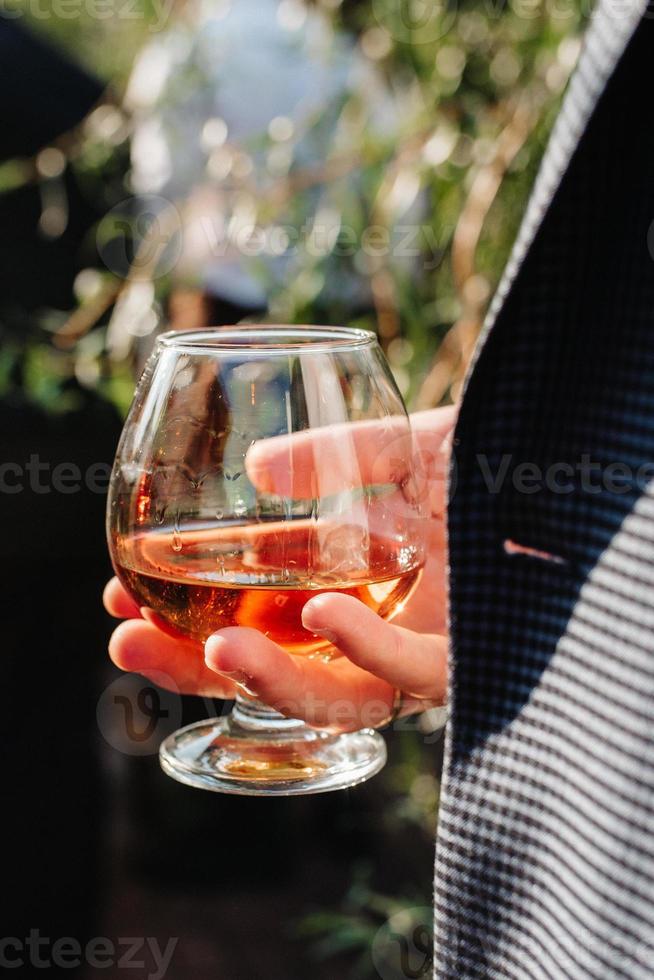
pixel 226 756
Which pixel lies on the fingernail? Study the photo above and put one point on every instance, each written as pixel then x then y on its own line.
pixel 237 676
pixel 311 609
pixel 326 633
pixel 213 656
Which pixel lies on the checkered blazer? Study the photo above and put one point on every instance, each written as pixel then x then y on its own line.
pixel 545 852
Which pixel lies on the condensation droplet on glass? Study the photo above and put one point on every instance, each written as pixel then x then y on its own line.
pixel 130 472
pixel 220 513
pixel 177 537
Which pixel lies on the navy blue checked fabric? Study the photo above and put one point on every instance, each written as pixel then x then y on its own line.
pixel 545 850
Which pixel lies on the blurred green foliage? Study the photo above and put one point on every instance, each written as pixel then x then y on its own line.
pixel 103 37
pixel 472 90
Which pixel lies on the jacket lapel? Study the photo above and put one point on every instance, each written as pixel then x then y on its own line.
pixel 611 26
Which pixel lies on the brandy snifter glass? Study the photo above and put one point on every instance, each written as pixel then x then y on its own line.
pixel 258 467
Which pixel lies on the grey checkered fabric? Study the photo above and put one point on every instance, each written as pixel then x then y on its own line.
pixel 545 853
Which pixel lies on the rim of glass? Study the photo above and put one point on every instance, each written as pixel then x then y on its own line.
pixel 262 338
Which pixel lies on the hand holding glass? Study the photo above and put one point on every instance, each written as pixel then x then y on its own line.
pixel 259 467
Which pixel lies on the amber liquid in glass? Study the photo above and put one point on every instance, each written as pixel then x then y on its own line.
pixel 199 580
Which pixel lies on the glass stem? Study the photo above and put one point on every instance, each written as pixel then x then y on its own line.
pixel 255 716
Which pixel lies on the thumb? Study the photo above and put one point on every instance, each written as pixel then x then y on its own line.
pixel 415 663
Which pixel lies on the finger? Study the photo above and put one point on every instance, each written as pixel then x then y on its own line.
pixel 437 422
pixel 338 696
pixel 139 646
pixel 118 602
pixel 416 663
pixel 433 433
pixel 319 462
